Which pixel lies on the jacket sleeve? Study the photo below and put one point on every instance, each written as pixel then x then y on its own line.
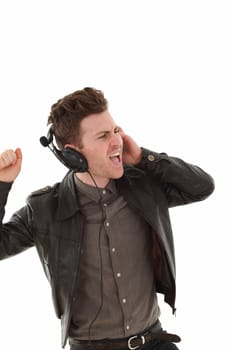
pixel 15 235
pixel 182 182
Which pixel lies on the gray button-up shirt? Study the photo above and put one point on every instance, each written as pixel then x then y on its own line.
pixel 116 293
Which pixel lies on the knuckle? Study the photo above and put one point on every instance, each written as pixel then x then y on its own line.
pixel 7 157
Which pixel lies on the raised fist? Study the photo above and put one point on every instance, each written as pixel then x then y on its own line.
pixel 10 164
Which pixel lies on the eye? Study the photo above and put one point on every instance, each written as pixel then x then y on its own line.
pixel 116 130
pixel 102 136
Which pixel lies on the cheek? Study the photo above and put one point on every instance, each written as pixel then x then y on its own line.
pixel 95 155
pixel 94 158
pixel 88 154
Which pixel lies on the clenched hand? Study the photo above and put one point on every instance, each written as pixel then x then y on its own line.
pixel 10 164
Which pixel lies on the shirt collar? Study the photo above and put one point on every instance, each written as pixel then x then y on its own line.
pixel 93 192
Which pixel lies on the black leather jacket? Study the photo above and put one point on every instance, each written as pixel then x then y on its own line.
pixel 51 220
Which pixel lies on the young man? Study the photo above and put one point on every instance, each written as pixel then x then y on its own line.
pixel 103 234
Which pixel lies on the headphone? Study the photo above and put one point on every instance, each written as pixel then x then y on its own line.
pixel 71 158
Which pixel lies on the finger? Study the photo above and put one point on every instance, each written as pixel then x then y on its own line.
pixel 7 158
pixel 123 136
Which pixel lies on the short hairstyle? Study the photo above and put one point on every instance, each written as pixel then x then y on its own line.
pixel 67 113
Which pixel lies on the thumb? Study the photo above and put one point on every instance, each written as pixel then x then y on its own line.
pixel 19 158
pixel 19 155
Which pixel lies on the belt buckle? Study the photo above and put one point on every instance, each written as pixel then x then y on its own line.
pixel 135 337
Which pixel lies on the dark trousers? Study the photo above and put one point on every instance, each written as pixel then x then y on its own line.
pixel 157 345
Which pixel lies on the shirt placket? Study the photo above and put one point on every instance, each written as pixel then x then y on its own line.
pixel 118 272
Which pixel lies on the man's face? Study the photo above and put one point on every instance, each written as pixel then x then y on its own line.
pixel 102 146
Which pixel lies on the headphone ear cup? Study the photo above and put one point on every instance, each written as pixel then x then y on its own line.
pixel 74 160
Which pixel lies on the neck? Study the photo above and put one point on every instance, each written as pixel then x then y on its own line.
pixel 92 180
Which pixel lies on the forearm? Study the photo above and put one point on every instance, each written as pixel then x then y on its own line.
pixel 15 235
pixel 4 191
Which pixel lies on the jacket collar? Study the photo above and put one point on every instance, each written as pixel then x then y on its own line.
pixel 68 198
pixel 68 203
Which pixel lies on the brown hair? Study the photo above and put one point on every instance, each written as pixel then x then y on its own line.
pixel 67 113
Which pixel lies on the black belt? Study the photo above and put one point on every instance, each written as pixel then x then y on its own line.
pixel 132 343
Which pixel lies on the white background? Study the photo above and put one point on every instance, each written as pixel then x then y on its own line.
pixel 166 69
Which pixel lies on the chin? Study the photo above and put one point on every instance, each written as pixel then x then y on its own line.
pixel 118 174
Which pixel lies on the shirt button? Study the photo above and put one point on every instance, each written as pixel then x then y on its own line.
pixel 107 224
pixel 104 192
pixel 127 327
pixel 118 274
pixel 124 302
pixel 151 157
pixel 113 250
pixel 105 204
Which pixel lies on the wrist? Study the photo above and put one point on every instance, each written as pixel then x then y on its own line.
pixel 138 156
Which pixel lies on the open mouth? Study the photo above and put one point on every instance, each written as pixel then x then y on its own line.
pixel 115 158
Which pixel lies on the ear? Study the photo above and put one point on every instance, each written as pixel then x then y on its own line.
pixel 70 145
pixel 74 159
